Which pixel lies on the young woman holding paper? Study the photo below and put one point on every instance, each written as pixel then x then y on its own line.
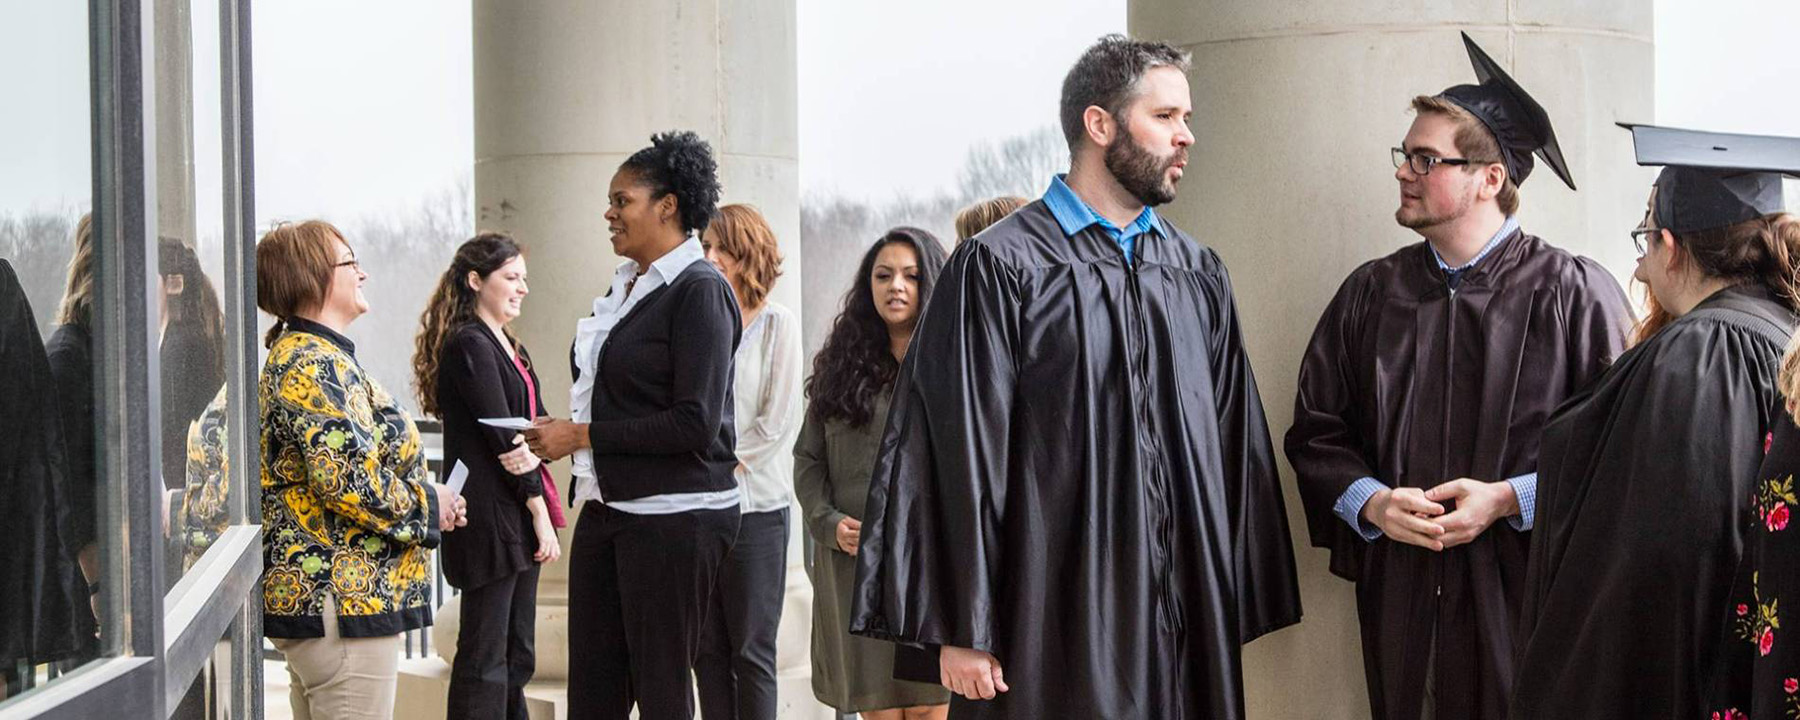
pixel 467 366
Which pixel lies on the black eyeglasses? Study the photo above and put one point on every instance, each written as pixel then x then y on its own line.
pixel 1422 164
pixel 1640 238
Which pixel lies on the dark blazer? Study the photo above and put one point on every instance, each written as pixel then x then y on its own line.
pixel 72 363
pixel 476 379
pixel 661 417
pixel 190 380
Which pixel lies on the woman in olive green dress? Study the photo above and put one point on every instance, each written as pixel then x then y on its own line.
pixel 852 381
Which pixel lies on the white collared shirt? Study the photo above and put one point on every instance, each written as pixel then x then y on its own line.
pixel 590 334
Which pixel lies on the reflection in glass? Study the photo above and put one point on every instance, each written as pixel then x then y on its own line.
pixel 204 514
pixel 192 352
pixel 50 532
pixel 44 611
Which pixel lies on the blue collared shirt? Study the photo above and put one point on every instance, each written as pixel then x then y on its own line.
pixel 1075 215
pixel 1506 230
pixel 1349 506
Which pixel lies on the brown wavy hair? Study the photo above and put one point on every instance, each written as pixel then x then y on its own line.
pixel 976 218
pixel 452 305
pixel 1762 250
pixel 740 231
pixel 77 307
pixel 294 265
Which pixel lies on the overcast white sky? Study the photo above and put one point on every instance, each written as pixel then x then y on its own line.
pixel 363 108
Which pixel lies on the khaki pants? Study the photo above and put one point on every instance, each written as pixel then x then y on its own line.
pixel 338 678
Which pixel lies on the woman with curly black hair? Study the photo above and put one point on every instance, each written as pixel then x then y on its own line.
pixel 851 385
pixel 652 440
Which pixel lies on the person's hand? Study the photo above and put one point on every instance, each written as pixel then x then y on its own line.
pixel 1478 505
pixel 849 535
pixel 549 548
pixel 970 673
pixel 453 510
pixel 519 460
pixel 553 439
pixel 1406 515
pixel 168 505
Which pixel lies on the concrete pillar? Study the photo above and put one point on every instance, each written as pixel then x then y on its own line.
pixel 174 109
pixel 1295 107
pixel 565 90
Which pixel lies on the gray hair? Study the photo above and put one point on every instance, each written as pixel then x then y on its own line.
pixel 1107 76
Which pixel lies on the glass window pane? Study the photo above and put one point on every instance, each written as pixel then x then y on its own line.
pixel 51 465
pixel 190 267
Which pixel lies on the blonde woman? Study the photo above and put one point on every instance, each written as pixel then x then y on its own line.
pixel 973 219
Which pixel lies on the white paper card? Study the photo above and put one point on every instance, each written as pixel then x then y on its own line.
pixel 507 423
pixel 458 476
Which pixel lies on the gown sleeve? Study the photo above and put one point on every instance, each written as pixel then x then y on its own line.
pixel 931 554
pixel 1323 445
pixel 1600 321
pixel 1268 590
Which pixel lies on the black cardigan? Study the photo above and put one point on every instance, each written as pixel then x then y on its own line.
pixel 661 414
pixel 476 379
pixel 70 352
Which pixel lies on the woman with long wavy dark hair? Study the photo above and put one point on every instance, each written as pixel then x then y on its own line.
pixel 653 443
pixel 467 366
pixel 192 351
pixel 849 391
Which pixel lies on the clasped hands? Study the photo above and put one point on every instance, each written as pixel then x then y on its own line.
pixel 1417 516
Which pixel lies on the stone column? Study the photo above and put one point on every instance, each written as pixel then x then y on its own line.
pixel 1295 107
pixel 174 108
pixel 565 90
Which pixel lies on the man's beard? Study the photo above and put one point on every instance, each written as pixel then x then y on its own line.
pixel 1141 172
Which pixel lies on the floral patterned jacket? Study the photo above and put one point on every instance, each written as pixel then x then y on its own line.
pixel 204 513
pixel 346 510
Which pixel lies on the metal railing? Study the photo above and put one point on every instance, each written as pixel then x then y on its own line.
pixel 432 433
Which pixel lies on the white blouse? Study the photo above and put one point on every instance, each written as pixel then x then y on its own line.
pixel 766 408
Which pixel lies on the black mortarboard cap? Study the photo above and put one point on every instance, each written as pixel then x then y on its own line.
pixel 1713 180
pixel 1518 123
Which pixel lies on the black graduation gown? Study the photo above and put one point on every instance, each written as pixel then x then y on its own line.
pixel 1643 482
pixel 1412 384
pixel 44 614
pixel 1077 477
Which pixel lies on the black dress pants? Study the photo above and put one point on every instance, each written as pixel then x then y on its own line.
pixel 736 667
pixel 639 588
pixel 495 648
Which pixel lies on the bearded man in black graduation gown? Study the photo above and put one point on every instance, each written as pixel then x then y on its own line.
pixel 1422 394
pixel 1076 495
